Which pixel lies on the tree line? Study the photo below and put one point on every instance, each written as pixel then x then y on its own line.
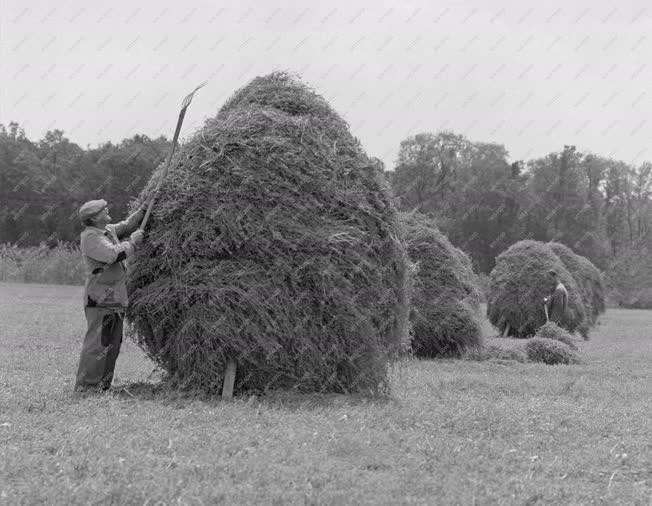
pixel 600 207
pixel 43 183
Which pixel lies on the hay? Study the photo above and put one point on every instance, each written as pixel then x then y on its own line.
pixel 549 351
pixel 446 296
pixel 494 353
pixel 587 277
pixel 519 282
pixel 274 242
pixel 470 280
pixel 553 331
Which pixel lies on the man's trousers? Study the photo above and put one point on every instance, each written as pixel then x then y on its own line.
pixel 100 349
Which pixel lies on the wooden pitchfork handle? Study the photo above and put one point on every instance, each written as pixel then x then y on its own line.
pixel 182 113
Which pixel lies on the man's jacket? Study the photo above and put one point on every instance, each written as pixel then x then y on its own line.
pixel 104 251
pixel 558 303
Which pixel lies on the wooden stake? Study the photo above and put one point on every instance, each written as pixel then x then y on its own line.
pixel 229 380
pixel 506 331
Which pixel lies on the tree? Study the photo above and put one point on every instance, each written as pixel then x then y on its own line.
pixel 628 196
pixel 61 172
pixel 43 184
pixel 425 175
pixel 639 215
pixel 123 170
pixel 566 204
pixel 471 190
pixel 19 176
pixel 487 220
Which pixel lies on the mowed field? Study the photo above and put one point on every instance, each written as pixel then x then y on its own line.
pixel 452 432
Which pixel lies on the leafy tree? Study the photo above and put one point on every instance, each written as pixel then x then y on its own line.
pixel 469 188
pixel 425 176
pixel 19 176
pixel 43 184
pixel 566 204
pixel 490 196
pixel 61 172
pixel 124 169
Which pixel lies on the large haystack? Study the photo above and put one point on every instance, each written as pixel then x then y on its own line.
pixel 446 295
pixel 587 277
pixel 274 243
pixel 519 282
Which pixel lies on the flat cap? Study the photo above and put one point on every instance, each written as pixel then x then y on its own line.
pixel 91 208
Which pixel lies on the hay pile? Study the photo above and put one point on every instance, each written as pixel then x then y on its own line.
pixel 549 351
pixel 274 242
pixel 553 331
pixel 446 295
pixel 587 277
pixel 519 282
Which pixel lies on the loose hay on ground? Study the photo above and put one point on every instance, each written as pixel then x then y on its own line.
pixel 549 351
pixel 553 331
pixel 492 352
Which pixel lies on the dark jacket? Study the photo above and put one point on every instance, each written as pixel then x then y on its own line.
pixel 557 303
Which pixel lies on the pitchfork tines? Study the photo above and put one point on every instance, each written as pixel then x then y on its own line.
pixel 188 99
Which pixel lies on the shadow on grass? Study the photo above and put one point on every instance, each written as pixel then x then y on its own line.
pixel 167 394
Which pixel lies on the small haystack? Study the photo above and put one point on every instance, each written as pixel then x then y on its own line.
pixel 446 294
pixel 274 242
pixel 553 331
pixel 519 282
pixel 549 351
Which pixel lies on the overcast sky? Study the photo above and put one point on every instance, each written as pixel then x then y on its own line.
pixel 531 76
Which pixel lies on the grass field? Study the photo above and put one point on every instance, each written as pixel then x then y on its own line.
pixel 453 432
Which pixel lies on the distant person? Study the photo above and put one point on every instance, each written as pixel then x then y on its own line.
pixel 557 301
pixel 104 247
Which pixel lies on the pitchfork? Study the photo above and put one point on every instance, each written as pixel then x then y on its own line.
pixel 182 113
pixel 229 376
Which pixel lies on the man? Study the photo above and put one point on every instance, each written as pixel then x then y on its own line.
pixel 557 301
pixel 104 249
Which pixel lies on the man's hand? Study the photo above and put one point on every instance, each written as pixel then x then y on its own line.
pixel 137 237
